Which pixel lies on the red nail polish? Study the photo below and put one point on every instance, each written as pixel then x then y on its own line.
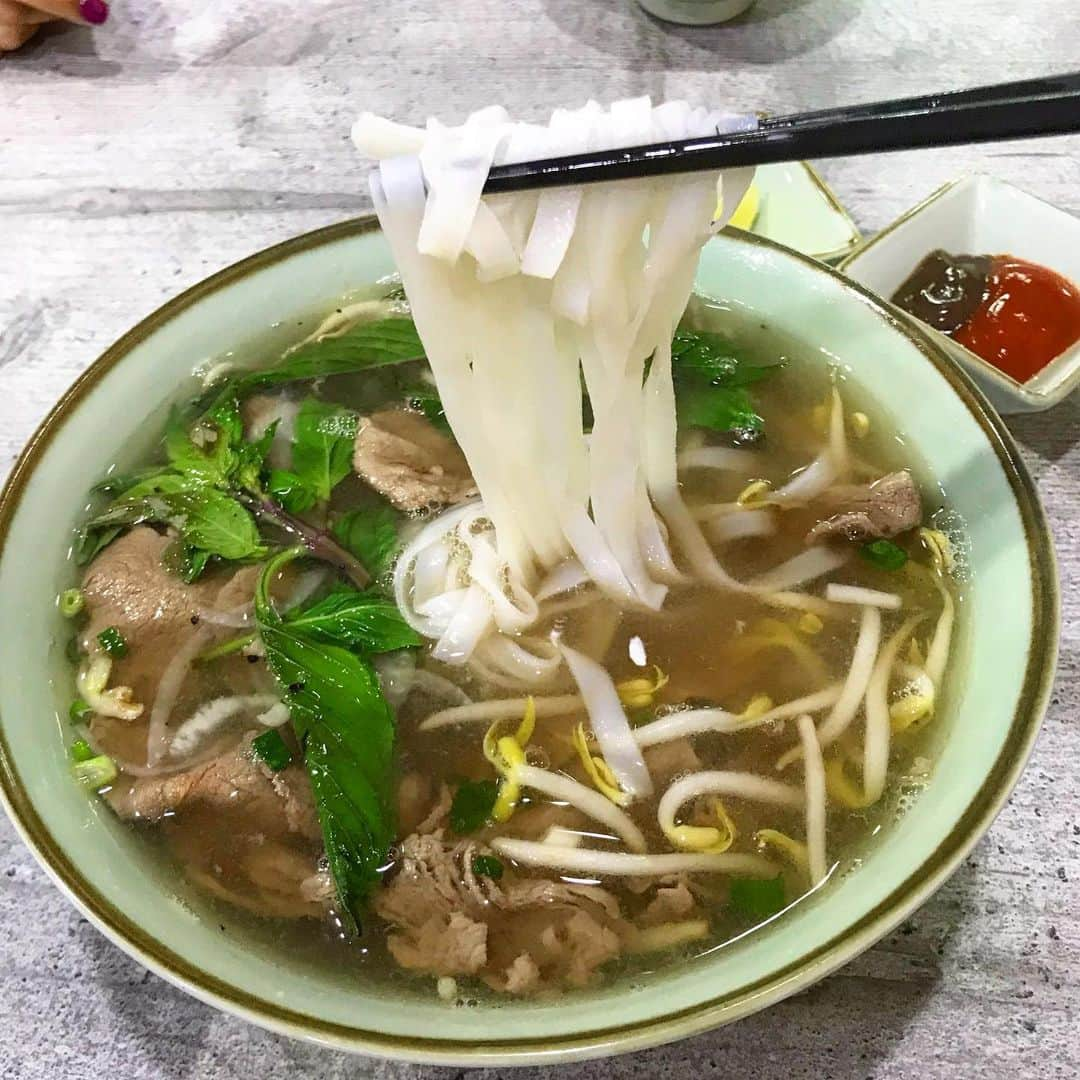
pixel 94 11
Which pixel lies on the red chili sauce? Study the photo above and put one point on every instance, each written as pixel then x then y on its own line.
pixel 1015 314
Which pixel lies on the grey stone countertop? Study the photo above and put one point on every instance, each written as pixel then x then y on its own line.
pixel 186 134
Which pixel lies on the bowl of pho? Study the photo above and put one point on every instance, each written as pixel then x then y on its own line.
pixel 523 628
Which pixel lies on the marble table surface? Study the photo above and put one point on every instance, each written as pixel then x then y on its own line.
pixel 185 134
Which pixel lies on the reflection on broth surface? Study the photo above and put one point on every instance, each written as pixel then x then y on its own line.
pixel 503 849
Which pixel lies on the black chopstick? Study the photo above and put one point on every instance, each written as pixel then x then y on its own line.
pixel 988 114
pixel 1047 86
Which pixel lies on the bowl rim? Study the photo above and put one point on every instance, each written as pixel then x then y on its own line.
pixel 713 1012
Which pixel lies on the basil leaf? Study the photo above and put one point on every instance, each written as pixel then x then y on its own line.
pixel 116 483
pixel 90 543
pixel 290 491
pixel 271 749
pixel 711 377
pixel 346 731
pixel 185 561
pixel 716 409
pixel 757 898
pixel 323 445
pixel 422 397
pixel 217 524
pixel 358 620
pixel 713 358
pixel 472 805
pixel 373 344
pixel 207 447
pixel 160 483
pixel 371 534
pixel 146 501
pixel 251 459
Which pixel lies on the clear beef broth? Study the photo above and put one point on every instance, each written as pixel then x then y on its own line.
pixel 697 641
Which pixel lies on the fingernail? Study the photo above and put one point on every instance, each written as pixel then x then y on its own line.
pixel 94 11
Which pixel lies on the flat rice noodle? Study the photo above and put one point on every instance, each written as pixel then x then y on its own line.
pixel 513 297
pixel 609 724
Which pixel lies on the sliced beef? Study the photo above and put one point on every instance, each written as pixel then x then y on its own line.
pixel 519 934
pixel 246 835
pixel 671 759
pixel 673 902
pixel 448 944
pixel 234 784
pixel 875 511
pixel 423 805
pixel 404 457
pixel 127 586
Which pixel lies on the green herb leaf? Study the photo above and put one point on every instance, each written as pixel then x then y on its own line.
pixel 711 376
pixel 370 533
pixel 373 344
pixel 757 898
pixel 115 483
pixel 89 543
pixel 884 554
pixel 346 730
pixel 272 750
pixel 357 620
pixel 206 448
pixel 716 360
pixel 716 408
pixel 141 502
pixel 290 491
pixel 112 641
pixel 251 459
pixel 487 866
pixel 185 561
pixel 423 397
pixel 217 524
pixel 323 445
pixel 472 805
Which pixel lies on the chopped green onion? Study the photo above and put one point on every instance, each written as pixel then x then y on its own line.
pixel 78 711
pixel 884 554
pixel 272 750
pixel 96 772
pixel 112 641
pixel 487 866
pixel 758 898
pixel 472 805
pixel 81 750
pixel 73 650
pixel 72 602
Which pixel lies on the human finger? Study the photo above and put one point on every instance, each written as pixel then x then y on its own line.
pixel 14 36
pixel 93 12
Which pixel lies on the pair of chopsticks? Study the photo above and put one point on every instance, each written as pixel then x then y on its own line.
pixel 1016 110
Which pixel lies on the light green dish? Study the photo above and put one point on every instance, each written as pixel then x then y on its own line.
pixel 1009 648
pixel 799 210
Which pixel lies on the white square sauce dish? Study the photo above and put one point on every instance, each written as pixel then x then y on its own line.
pixel 981 216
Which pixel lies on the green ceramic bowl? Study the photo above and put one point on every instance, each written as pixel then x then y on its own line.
pixel 1004 671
